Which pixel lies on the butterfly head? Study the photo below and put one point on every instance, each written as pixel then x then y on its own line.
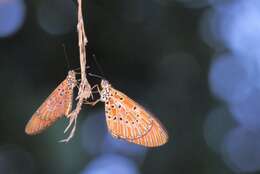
pixel 72 77
pixel 105 85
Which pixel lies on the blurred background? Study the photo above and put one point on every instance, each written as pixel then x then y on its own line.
pixel 194 63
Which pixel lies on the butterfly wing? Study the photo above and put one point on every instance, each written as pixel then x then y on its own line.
pixel 59 103
pixel 128 120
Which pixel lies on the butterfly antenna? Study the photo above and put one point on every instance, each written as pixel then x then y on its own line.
pixel 98 66
pixel 95 75
pixel 66 56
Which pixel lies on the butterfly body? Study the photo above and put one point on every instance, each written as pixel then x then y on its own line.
pixel 128 120
pixel 58 104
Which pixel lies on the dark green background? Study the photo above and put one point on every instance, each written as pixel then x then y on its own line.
pixel 149 50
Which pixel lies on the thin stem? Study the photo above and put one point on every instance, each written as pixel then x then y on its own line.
pixel 84 87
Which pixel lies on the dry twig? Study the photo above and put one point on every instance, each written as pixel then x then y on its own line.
pixel 84 88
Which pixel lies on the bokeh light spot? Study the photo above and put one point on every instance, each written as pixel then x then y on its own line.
pixel 247 111
pixel 240 26
pixel 56 16
pixel 219 121
pixel 12 16
pixel 241 150
pixel 229 79
pixel 111 164
pixel 93 131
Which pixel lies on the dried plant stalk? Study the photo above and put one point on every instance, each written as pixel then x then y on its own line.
pixel 84 87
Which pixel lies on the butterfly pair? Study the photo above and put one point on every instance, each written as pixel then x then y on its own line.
pixel 125 118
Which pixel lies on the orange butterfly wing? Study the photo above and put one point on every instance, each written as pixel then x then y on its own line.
pixel 59 103
pixel 128 120
pixel 124 117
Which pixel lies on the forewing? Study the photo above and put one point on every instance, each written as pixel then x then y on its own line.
pixel 55 106
pixel 125 118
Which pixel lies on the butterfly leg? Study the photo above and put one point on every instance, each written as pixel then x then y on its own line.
pixel 77 85
pixel 95 86
pixel 92 103
pixel 73 119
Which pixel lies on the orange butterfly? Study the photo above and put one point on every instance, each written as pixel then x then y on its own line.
pixel 127 120
pixel 59 103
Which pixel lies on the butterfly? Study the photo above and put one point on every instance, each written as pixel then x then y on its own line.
pixel 128 120
pixel 58 104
